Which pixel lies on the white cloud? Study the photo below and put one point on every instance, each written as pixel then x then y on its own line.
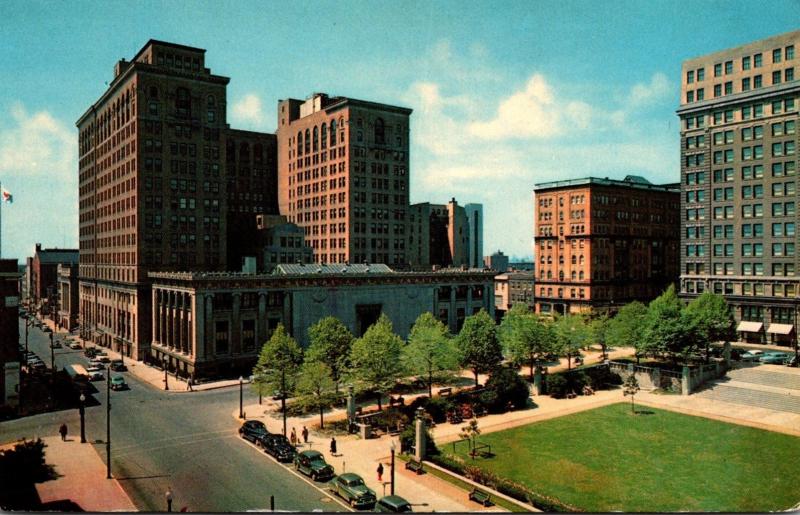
pixel 648 93
pixel 249 110
pixel 532 113
pixel 36 144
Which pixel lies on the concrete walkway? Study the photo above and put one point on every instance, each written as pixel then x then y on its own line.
pixel 81 477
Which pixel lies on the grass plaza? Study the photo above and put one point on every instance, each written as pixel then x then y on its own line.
pixel 607 459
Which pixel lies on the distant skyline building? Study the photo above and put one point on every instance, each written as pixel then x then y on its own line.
pixel 343 177
pixel 601 243
pixel 44 271
pixel 739 137
pixel 164 184
pixel 474 234
pixel 437 235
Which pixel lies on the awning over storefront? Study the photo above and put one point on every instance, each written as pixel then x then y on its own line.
pixel 749 327
pixel 780 328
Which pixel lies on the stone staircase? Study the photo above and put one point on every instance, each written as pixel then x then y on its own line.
pixel 765 378
pixel 751 397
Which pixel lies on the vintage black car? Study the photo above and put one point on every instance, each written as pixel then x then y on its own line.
pixel 252 430
pixel 312 464
pixel 278 447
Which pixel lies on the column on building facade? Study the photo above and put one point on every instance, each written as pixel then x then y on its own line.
pixel 452 320
pixel 288 321
pixel 198 323
pixel 155 323
pixel 187 319
pixel 261 322
pixel 208 350
pixel 171 321
pixel 179 321
pixel 189 324
pixel 236 325
pixel 468 308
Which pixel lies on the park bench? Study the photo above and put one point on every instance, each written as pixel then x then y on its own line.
pixel 445 391
pixel 415 466
pixel 480 497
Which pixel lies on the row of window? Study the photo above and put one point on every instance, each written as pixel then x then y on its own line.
pixel 755 60
pixel 747 84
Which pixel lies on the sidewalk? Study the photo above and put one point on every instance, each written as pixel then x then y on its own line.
pixel 425 492
pixel 81 478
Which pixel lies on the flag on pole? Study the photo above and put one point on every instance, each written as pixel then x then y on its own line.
pixel 7 196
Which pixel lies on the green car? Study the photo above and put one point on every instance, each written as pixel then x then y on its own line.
pixel 312 464
pixel 352 489
pixel 775 358
pixel 118 383
pixel 393 504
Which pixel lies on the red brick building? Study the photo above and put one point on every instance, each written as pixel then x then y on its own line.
pixel 601 243
pixel 343 177
pixel 164 184
pixel 44 271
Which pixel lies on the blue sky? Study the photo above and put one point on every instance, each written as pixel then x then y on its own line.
pixel 505 94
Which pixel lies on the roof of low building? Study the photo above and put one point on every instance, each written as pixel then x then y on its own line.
pixel 55 256
pixel 332 268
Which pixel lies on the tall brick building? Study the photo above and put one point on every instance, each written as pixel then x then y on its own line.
pixel 343 177
pixel 164 185
pixel 601 243
pixel 438 234
pixel 739 139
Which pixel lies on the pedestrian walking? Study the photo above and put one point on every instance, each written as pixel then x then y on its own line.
pixel 189 383
pixel 63 431
pixel 333 446
pixel 293 437
pixel 168 496
pixel 305 434
pixel 380 472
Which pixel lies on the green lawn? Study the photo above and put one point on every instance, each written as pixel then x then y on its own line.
pixel 609 460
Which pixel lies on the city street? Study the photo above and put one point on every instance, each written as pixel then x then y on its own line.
pixel 187 442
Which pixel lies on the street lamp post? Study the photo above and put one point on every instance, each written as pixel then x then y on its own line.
pixel 241 397
pixel 82 411
pixel 392 447
pixel 108 422
pixel 283 398
pixel 52 357
pixel 166 384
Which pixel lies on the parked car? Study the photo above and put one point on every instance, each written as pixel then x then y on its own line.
pixel 117 365
pixel 95 367
pixel 775 358
pixel 252 429
pixel 278 447
pixel 312 464
pixel 90 352
pixel 103 358
pixel 96 376
pixel 96 364
pixel 793 362
pixel 352 489
pixel 75 345
pixel 118 383
pixel 56 345
pixel 392 504
pixel 47 329
pixel 752 355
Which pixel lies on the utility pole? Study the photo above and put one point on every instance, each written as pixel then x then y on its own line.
pixel 108 422
pixel 283 398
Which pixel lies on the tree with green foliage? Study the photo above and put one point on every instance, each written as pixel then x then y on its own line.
pixel 598 330
pixel 330 342
pixel 625 329
pixel 430 353
pixel 631 387
pixel 278 364
pixel 478 345
pixel 376 358
pixel 710 320
pixel 508 388
pixel 571 335
pixel 526 338
pixel 315 387
pixel 666 329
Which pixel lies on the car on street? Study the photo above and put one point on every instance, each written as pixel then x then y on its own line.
pixel 95 367
pixel 90 352
pixel 103 358
pixel 752 355
pixel 312 464
pixel 117 365
pixel 392 504
pixel 96 363
pixel 47 329
pixel 252 429
pixel 75 345
pixel 96 375
pixel 56 345
pixel 775 358
pixel 118 383
pixel 352 489
pixel 278 447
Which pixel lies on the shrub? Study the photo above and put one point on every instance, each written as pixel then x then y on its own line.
pixel 557 386
pixel 437 408
pixel 508 387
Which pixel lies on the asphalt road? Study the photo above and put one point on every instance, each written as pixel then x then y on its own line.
pixel 187 442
